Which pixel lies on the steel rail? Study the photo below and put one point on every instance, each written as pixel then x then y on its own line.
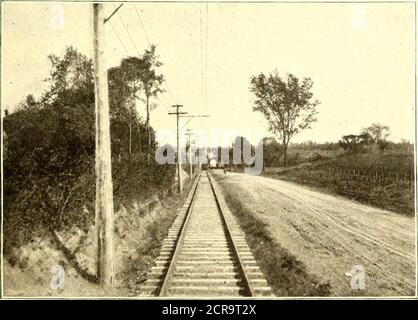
pixel 169 273
pixel 247 284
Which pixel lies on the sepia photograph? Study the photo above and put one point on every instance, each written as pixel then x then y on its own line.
pixel 208 150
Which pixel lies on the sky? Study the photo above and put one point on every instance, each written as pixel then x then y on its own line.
pixel 359 56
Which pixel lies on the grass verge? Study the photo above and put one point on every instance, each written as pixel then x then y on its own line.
pixel 286 275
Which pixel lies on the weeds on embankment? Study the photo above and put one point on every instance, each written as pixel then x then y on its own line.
pixel 285 274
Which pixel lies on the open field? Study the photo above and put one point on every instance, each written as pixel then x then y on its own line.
pixel 330 234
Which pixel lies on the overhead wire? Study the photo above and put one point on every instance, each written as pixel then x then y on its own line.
pixel 142 26
pixel 127 31
pixel 131 39
pixel 117 36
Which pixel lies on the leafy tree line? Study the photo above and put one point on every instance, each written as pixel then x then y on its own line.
pixel 376 135
pixel 49 146
pixel 301 152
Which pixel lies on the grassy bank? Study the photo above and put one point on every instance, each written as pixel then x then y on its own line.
pixel 139 231
pixel 384 181
pixel 285 274
pixel 148 246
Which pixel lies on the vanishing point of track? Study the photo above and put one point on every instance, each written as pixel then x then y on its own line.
pixel 205 253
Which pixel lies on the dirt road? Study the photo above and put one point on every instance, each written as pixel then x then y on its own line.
pixel 331 234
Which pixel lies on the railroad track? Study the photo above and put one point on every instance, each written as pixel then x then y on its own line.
pixel 205 253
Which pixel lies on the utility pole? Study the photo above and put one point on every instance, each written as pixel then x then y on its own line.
pixel 178 113
pixel 103 165
pixel 189 134
pixel 191 118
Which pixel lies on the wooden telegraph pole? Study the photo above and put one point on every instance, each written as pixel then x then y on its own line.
pixel 189 133
pixel 178 113
pixel 103 166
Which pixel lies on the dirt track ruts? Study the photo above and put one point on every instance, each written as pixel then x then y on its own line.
pixel 331 234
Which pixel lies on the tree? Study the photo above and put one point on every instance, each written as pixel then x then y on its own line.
pixel 124 89
pixel 122 108
pixel 355 143
pixel 286 103
pixel 71 78
pixel 378 134
pixel 272 152
pixel 49 150
pixel 143 75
